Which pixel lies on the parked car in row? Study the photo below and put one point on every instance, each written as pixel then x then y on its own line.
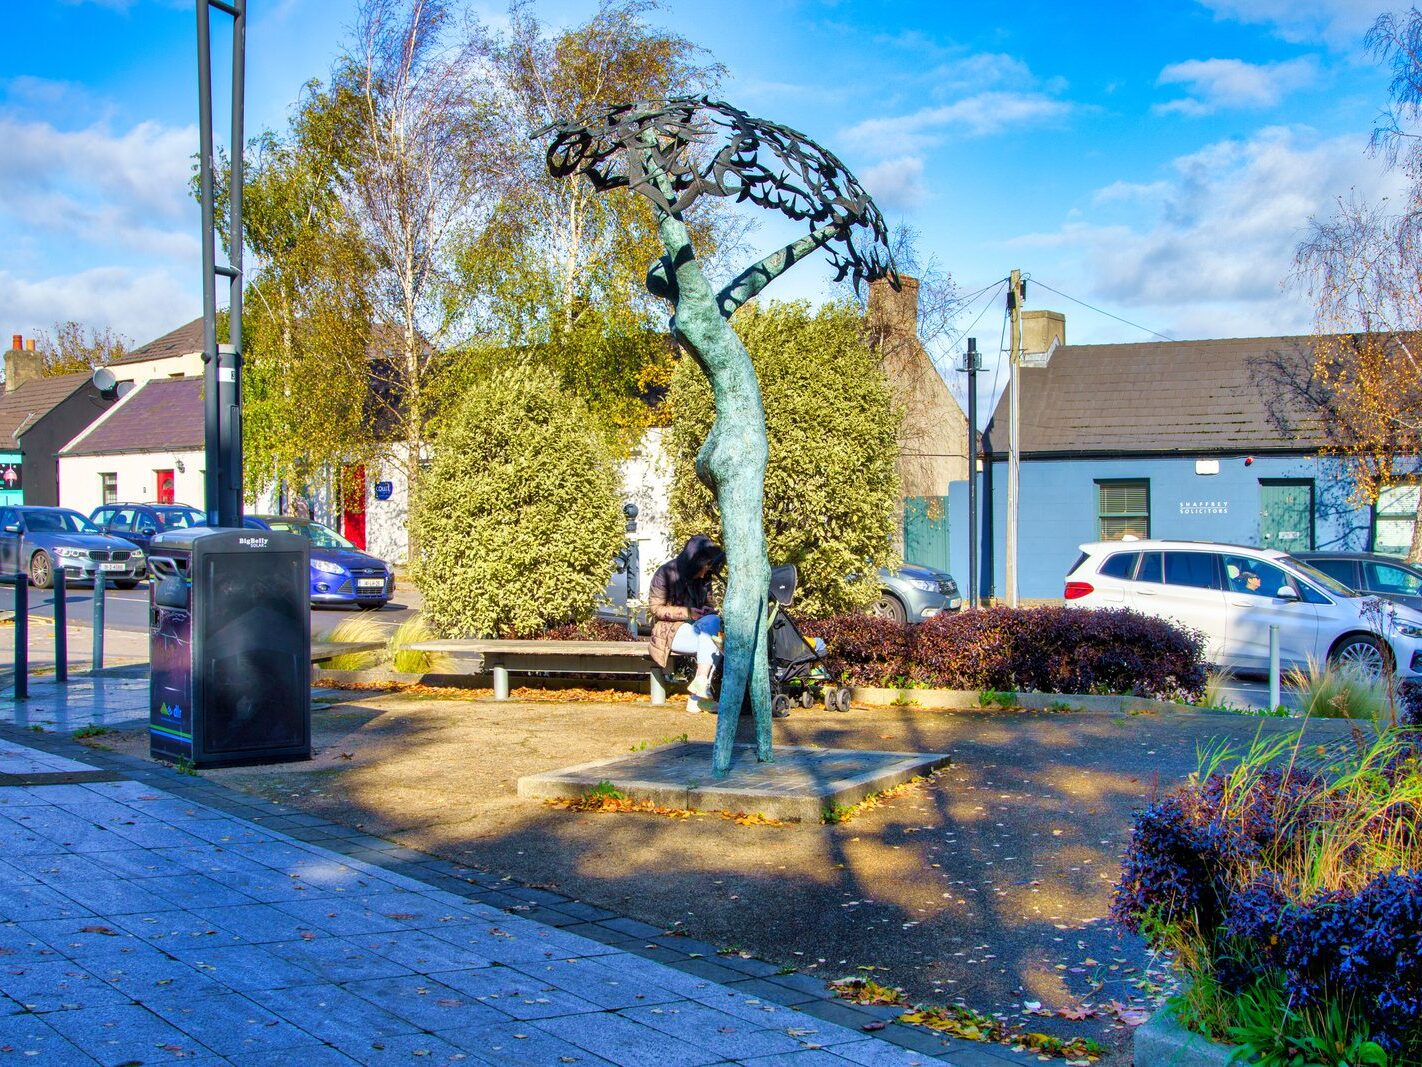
pixel 41 540
pixel 341 574
pixel 914 593
pixel 1370 573
pixel 1233 594
pixel 139 523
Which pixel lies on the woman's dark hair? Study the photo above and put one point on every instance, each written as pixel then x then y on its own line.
pixel 686 585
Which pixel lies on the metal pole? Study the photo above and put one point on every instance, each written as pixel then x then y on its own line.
pixel 972 369
pixel 230 382
pixel 97 657
pixel 211 440
pixel 1014 308
pixel 1275 698
pixel 22 636
pixel 61 626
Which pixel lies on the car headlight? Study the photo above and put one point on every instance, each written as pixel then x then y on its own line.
pixel 71 553
pixel 927 587
pixel 1408 629
pixel 136 555
pixel 327 567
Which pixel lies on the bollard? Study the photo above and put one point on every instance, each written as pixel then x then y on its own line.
pixel 1275 698
pixel 22 636
pixel 98 656
pixel 61 627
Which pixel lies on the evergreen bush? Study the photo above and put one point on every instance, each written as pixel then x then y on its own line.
pixel 518 518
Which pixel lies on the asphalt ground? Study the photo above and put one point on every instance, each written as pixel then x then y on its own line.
pixel 988 885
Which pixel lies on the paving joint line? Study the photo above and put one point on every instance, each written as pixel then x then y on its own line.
pixel 641 939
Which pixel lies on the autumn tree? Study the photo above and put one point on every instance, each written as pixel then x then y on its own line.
pixel 560 271
pixel 1363 269
pixel 424 156
pixel 74 347
pixel 307 327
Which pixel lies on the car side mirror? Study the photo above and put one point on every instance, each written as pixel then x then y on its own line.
pixel 13 528
pixel 147 531
pixel 1287 592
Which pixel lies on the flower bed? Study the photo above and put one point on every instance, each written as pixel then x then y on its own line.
pixel 1045 649
pixel 1291 899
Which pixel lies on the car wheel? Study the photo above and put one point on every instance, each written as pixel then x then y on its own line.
pixel 41 571
pixel 890 607
pixel 1362 654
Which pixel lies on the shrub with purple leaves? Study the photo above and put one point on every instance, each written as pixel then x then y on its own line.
pixel 588 630
pixel 1047 649
pixel 1409 703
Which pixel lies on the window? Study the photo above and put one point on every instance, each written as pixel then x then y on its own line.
pixel 1150 567
pixel 1121 565
pixel 1197 570
pixel 1342 570
pixel 1254 576
pixel 122 520
pixel 1396 514
pixel 1385 578
pixel 108 487
pixel 1123 509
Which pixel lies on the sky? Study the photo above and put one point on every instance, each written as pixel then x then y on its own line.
pixel 1150 166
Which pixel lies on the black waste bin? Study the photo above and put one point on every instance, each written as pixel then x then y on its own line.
pixel 229 647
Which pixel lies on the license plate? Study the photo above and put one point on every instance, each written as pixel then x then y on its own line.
pixel 370 583
pixel 113 566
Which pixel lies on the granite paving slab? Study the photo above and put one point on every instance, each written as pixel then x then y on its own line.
pixel 801 783
pixel 129 938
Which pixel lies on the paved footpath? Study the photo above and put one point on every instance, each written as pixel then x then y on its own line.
pixel 147 917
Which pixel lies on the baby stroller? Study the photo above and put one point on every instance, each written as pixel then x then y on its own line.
pixel 798 674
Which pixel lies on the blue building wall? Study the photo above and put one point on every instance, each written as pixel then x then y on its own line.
pixel 1058 511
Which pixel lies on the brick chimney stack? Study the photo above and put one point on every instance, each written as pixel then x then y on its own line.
pixel 22 363
pixel 894 312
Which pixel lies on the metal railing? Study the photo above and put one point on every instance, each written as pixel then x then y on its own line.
pixel 21 603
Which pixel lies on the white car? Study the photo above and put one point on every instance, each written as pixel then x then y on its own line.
pixel 1233 594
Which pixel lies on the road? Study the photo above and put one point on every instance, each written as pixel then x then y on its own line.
pixel 127 609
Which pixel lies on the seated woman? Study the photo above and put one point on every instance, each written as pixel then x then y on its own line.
pixel 684 618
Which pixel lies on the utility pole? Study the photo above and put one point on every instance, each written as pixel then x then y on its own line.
pixel 222 364
pixel 1016 295
pixel 972 363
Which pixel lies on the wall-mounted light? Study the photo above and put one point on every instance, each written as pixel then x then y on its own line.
pixel 178 464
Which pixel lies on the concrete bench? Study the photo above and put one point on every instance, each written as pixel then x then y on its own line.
pixel 322 650
pixel 556 657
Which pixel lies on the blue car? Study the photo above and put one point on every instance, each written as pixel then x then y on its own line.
pixel 340 572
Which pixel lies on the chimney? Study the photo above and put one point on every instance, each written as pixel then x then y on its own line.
pixel 22 363
pixel 1042 333
pixel 894 312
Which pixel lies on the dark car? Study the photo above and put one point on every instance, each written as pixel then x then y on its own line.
pixel 1367 572
pixel 40 540
pixel 340 572
pixel 140 522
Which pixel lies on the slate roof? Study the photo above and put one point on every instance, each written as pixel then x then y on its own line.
pixel 1161 397
pixel 180 342
pixel 160 415
pixel 21 408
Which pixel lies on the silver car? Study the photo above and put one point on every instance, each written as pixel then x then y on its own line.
pixel 914 593
pixel 37 541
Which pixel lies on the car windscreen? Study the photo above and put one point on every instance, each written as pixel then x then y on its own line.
pixel 1327 581
pixel 58 521
pixel 319 536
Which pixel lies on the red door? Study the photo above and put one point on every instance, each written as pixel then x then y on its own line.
pixel 353 505
pixel 165 487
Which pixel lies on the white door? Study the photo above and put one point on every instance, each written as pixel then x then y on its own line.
pixel 1192 594
pixel 1255 605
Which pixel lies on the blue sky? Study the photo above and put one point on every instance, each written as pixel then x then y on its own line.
pixel 1155 160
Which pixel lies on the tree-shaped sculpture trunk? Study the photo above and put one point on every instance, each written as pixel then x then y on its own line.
pixel 665 153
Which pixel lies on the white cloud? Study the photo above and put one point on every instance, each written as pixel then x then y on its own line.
pixel 973 116
pixel 1210 254
pixel 896 184
pixel 981 70
pixel 1214 84
pixel 1339 22
pixel 143 304
pixel 126 189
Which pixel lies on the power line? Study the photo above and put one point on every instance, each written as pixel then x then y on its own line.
pixel 952 345
pixel 1100 311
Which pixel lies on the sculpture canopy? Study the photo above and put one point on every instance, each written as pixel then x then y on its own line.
pixel 688 147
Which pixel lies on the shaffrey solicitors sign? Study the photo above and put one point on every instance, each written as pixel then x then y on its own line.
pixel 11 475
